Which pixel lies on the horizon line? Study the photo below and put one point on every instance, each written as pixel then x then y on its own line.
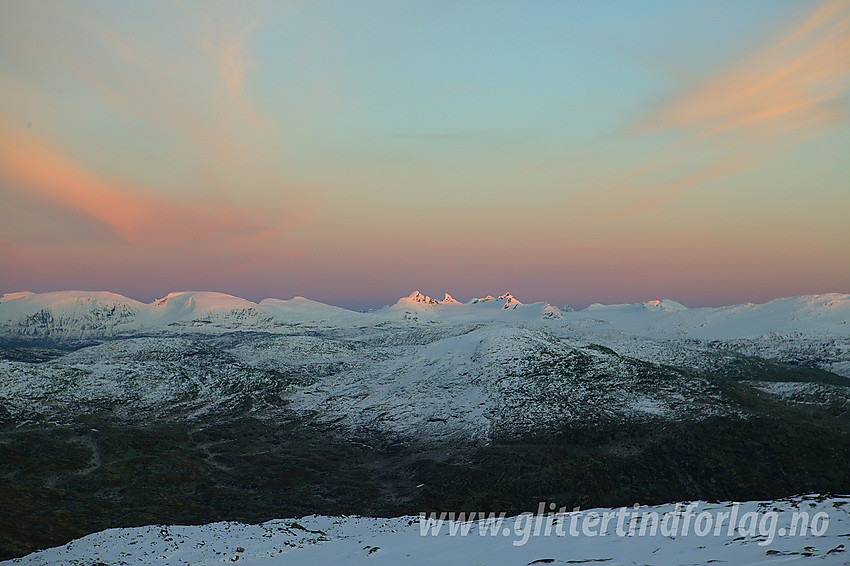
pixel 468 302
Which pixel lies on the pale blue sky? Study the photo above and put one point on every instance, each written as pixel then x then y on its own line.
pixel 350 152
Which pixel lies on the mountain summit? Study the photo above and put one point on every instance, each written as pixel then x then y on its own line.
pixel 418 300
pixel 510 301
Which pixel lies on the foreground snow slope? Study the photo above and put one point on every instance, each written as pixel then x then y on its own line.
pixel 320 540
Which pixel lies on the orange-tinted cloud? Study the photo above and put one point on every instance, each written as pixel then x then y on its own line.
pixel 664 192
pixel 792 84
pixel 229 53
pixel 179 95
pixel 194 93
pixel 137 215
pixel 760 106
pixel 222 31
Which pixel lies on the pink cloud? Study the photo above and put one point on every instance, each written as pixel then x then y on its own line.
pixel 138 215
pixel 791 84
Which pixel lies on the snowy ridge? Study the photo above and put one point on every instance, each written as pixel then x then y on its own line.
pixel 499 380
pixel 318 540
pixel 18 295
pixel 81 315
pixel 475 381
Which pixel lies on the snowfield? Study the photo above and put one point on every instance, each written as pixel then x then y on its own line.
pixel 321 540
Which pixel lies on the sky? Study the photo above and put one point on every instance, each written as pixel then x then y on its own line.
pixel 352 152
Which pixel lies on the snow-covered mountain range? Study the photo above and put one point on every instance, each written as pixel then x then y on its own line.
pixel 79 315
pixel 200 407
pixel 421 367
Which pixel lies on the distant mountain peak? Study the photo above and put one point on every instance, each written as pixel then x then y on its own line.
pixel 666 305
pixel 449 300
pixel 510 300
pixel 417 297
pixel 416 300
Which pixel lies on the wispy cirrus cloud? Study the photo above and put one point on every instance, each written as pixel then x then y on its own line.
pixel 224 34
pixel 137 216
pixel 652 193
pixel 190 87
pixel 790 85
pixel 788 90
pixel 177 91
